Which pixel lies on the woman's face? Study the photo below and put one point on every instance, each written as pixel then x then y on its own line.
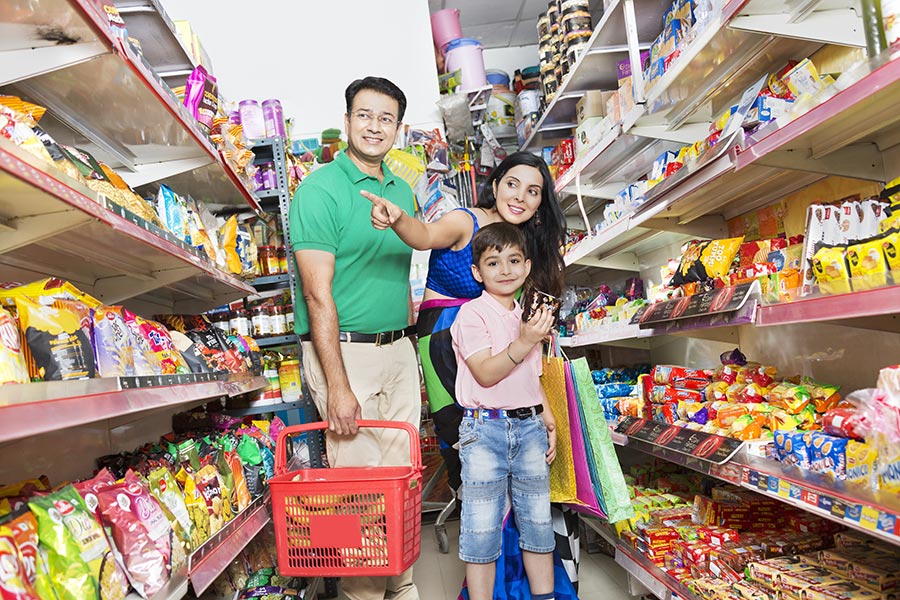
pixel 518 194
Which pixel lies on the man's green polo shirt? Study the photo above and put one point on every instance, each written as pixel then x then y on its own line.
pixel 371 267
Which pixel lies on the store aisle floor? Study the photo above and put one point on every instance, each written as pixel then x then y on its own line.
pixel 439 576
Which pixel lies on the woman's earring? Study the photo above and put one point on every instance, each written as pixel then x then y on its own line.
pixel 537 219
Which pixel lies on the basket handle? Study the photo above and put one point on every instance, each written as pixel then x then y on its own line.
pixel 415 452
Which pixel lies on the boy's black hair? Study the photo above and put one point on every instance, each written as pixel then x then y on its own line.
pixel 497 236
pixel 380 85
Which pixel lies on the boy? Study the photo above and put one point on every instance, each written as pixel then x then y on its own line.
pixel 507 438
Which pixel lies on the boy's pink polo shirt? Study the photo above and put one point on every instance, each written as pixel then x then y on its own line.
pixel 485 323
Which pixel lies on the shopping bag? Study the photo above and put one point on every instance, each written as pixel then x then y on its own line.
pixel 616 500
pixel 583 483
pixel 511 582
pixel 563 487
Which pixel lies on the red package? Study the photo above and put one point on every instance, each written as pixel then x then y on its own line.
pixel 717 536
pixel 661 394
pixel 146 564
pixel 24 531
pixel 14 583
pixel 844 422
pixel 682 377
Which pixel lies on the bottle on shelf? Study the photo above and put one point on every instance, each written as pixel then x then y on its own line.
pixel 252 119
pixel 273 118
pixel 239 323
pixel 259 317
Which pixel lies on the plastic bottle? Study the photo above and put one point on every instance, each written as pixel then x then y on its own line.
pixel 252 119
pixel 273 117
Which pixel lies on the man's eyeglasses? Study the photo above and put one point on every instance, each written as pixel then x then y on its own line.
pixel 365 117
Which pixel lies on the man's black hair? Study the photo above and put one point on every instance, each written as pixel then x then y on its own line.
pixel 380 85
pixel 497 236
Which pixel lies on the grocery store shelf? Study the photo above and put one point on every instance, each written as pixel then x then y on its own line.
pixel 35 408
pixel 267 408
pixel 855 506
pixel 650 576
pixel 715 68
pixel 613 334
pixel 148 23
pixel 278 340
pixel 840 134
pixel 212 558
pixel 881 302
pixel 58 226
pixel 279 281
pixel 115 106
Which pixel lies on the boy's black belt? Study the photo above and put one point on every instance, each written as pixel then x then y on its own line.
pixel 507 413
pixel 381 338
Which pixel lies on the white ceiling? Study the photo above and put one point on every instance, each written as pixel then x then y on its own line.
pixel 496 23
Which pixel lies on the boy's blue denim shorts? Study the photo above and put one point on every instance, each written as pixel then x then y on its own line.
pixel 503 456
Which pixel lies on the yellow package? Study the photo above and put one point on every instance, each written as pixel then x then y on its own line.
pixel 51 287
pixel 58 347
pixel 867 265
pixel 830 270
pixel 803 79
pixel 890 245
pixel 704 260
pixel 229 244
pixel 12 352
pixel 860 462
pixel 196 508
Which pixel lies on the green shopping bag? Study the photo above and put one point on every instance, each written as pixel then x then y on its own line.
pixel 612 483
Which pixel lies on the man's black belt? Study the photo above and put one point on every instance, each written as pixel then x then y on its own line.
pixel 382 338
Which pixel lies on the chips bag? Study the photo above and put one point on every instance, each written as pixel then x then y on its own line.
pixel 112 343
pixel 207 481
pixel 147 565
pixel 12 356
pixel 830 270
pixel 704 260
pixel 867 265
pixel 14 583
pixel 80 560
pixel 241 496
pixel 59 347
pixel 146 361
pixel 165 489
pixel 196 508
pixel 160 344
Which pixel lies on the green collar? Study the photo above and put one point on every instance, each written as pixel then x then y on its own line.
pixel 356 175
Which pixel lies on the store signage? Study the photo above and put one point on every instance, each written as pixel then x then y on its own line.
pixel 723 300
pixel 704 446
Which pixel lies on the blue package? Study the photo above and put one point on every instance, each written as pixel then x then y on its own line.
pixel 612 390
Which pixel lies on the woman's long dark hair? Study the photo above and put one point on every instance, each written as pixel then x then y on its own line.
pixel 545 232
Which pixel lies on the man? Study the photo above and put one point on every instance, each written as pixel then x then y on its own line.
pixel 352 308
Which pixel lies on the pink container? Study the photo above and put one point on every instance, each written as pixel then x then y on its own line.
pixel 465 54
pixel 445 26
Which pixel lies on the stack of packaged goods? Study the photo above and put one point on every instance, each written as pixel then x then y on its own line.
pixel 136 521
pixel 607 309
pixel 732 543
pixel 617 386
pixel 681 23
pixel 69 335
pixel 254 573
pixel 183 220
pixel 563 33
pixel 858 442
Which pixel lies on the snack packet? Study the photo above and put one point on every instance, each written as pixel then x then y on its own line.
pixel 12 356
pixel 59 347
pixel 241 496
pixel 867 265
pixel 207 481
pixel 14 583
pixel 707 259
pixel 165 489
pixel 830 270
pixel 196 508
pixel 147 566
pixel 112 343
pixel 157 336
pixel 80 560
pixel 146 361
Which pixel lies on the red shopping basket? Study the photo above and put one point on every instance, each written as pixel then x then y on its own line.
pixel 349 521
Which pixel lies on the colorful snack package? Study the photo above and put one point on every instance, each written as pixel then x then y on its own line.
pixel 150 512
pixel 59 347
pixel 73 541
pixel 165 489
pixel 146 362
pixel 780 419
pixel 161 344
pixel 24 529
pixel 890 245
pixel 707 259
pixel 661 394
pixel 196 508
pixel 727 413
pixel 146 564
pixel 829 456
pixel 791 397
pixel 112 343
pixel 825 396
pixel 226 482
pixel 14 582
pixel 844 422
pixel 207 481
pixel 682 377
pixel 12 356
pixel 241 495
pixel 861 458
pixel 867 265
pixel 830 270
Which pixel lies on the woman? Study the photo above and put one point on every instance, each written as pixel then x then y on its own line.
pixel 519 191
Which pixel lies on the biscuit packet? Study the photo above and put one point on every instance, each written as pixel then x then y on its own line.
pixel 867 265
pixel 830 270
